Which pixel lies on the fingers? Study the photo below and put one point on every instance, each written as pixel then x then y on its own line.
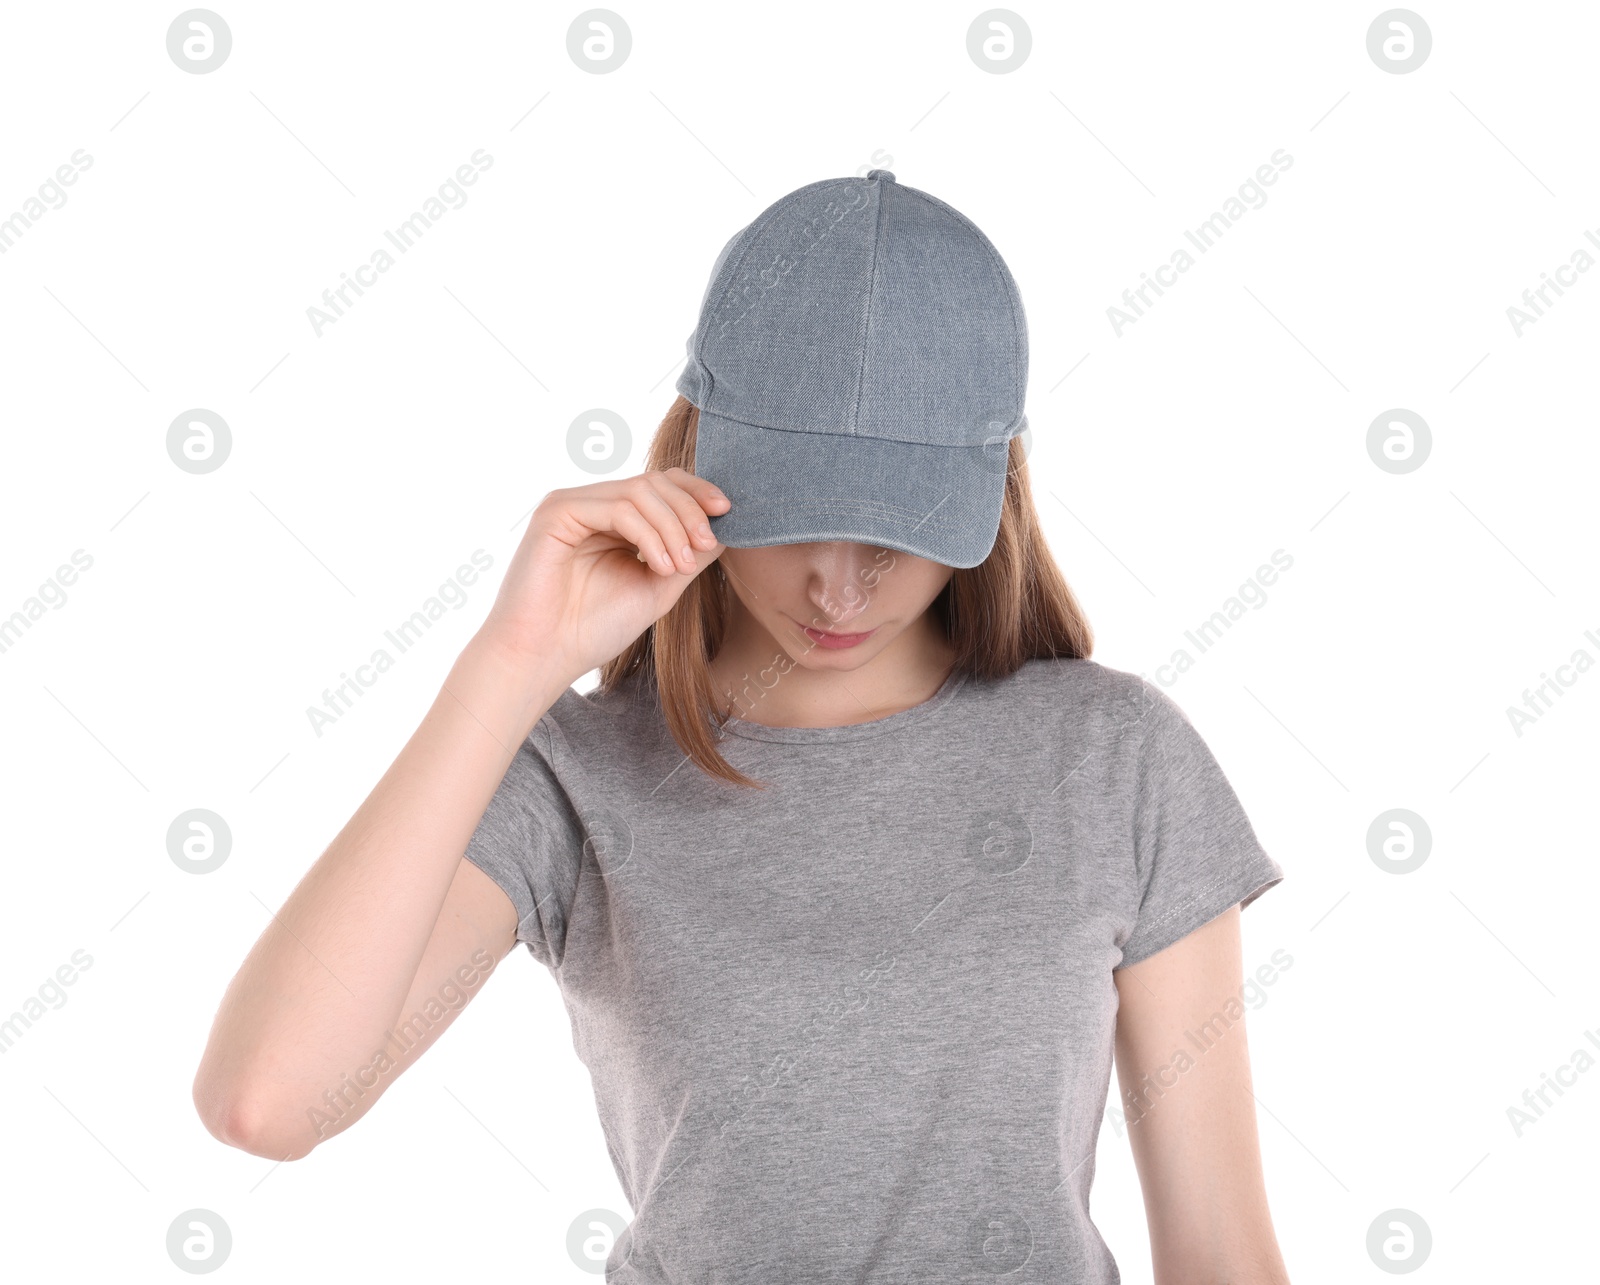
pixel 671 503
pixel 677 512
pixel 663 514
pixel 633 526
pixel 709 498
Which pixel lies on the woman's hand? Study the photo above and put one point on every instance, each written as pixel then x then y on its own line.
pixel 600 564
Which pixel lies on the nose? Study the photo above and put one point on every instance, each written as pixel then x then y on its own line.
pixel 837 583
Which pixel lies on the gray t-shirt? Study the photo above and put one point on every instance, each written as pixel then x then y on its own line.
pixel 858 1026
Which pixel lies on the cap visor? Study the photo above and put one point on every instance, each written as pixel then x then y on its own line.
pixel 936 502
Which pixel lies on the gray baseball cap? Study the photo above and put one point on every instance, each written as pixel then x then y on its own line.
pixel 860 365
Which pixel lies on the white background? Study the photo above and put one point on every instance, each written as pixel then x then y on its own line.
pixel 368 463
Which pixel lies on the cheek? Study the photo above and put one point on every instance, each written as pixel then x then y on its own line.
pixel 906 591
pixel 924 582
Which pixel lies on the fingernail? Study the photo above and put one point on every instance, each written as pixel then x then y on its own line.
pixel 688 554
pixel 666 559
pixel 704 529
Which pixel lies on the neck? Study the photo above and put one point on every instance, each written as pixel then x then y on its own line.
pixel 754 677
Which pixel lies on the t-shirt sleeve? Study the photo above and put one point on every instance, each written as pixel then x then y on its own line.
pixel 1195 852
pixel 530 842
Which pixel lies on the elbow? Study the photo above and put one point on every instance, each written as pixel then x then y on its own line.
pixel 247 1122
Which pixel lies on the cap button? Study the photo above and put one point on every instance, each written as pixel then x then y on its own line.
pixel 883 176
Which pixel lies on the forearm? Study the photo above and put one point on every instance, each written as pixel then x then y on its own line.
pixel 335 963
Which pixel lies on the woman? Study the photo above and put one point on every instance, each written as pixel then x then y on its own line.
pixel 855 869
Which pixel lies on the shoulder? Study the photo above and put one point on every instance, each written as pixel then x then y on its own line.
pixel 1072 716
pixel 1085 692
pixel 598 719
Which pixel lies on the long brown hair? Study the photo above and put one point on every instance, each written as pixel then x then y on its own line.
pixel 1012 607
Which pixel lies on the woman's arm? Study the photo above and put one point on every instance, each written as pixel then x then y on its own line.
pixel 391 916
pixel 1183 1066
pixel 381 923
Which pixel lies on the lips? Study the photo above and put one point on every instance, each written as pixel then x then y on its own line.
pixel 833 642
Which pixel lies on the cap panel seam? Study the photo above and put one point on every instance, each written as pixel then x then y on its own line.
pixel 876 508
pixel 853 437
pixel 872 291
pixel 755 229
pixel 1005 280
